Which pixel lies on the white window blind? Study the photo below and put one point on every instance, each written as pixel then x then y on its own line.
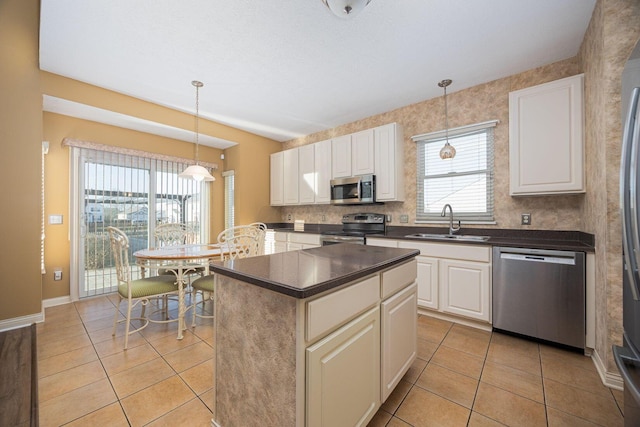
pixel 464 182
pixel 133 193
pixel 229 198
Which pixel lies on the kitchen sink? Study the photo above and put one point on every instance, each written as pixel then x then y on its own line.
pixel 459 237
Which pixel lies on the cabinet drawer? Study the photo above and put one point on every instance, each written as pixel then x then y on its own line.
pixel 304 238
pixel 397 278
pixel 450 251
pixel 327 313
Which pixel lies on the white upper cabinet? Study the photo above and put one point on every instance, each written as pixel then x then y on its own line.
pixel 322 159
pixel 341 157
pixel 362 153
pixel 277 179
pixel 546 141
pixel 290 173
pixel 389 162
pixel 301 176
pixel 306 174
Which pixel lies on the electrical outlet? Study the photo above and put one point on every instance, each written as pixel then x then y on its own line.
pixel 57 274
pixel 289 217
pixel 404 219
pixel 525 219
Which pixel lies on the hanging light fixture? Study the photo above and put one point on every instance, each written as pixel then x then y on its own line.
pixel 447 152
pixel 197 172
pixel 346 8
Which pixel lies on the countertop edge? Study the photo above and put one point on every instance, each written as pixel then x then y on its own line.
pixel 219 268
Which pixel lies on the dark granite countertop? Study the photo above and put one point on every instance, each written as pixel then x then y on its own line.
pixel 304 273
pixel 532 239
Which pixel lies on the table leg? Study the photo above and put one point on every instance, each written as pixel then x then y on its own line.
pixel 181 309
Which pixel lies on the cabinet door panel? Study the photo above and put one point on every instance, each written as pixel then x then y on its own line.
pixel 362 152
pixel 465 289
pixel 291 177
pixel 427 282
pixel 546 138
pixel 306 175
pixel 343 374
pixel 277 179
pixel 399 337
pixel 322 153
pixel 341 157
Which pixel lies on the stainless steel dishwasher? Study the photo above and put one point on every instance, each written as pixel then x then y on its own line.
pixel 540 294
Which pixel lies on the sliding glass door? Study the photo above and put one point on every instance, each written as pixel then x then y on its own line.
pixel 132 193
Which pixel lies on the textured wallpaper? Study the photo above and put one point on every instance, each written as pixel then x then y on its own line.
pixel 489 101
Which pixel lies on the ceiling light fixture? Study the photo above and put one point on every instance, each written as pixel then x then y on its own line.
pixel 447 152
pixel 197 172
pixel 346 8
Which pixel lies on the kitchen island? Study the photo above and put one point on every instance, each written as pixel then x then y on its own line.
pixel 316 337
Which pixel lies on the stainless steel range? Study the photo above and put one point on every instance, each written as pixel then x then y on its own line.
pixel 355 228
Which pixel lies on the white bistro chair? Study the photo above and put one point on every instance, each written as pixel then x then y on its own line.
pixel 139 291
pixel 242 241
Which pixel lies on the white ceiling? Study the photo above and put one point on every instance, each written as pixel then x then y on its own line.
pixel 289 68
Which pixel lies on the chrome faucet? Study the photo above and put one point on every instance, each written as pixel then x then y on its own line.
pixel 452 229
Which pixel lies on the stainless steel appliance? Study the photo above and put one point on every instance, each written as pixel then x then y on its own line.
pixel 355 228
pixel 540 294
pixel 628 357
pixel 356 190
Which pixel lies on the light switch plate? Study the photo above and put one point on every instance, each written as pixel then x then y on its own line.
pixel 55 219
pixel 404 219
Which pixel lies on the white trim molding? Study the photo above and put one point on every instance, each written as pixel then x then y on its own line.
pixel 610 379
pixel 20 322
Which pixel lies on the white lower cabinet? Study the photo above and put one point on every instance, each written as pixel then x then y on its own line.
pixel 454 278
pixel 427 282
pixel 360 341
pixel 352 352
pixel 465 289
pixel 399 337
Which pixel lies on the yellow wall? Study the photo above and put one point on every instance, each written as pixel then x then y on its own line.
pixel 252 201
pixel 23 126
pixel 20 139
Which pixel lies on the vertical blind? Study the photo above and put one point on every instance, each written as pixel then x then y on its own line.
pixel 229 199
pixel 464 182
pixel 135 194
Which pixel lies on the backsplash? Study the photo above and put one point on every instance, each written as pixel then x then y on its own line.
pixel 489 101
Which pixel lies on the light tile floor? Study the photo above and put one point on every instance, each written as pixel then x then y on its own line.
pixel 462 377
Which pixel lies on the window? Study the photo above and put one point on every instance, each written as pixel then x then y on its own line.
pixel 131 191
pixel 465 182
pixel 229 198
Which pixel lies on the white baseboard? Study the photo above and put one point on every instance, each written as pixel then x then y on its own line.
pixel 610 379
pixel 455 319
pixel 19 322
pixel 52 302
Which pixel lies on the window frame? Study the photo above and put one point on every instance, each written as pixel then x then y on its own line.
pixel 439 137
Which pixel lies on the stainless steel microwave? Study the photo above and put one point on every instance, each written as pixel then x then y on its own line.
pixel 356 190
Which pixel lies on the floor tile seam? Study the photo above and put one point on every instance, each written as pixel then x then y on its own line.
pixel 87 413
pixel 454 371
pixel 583 389
pixel 493 362
pixel 73 367
pixel 576 416
pixel 170 411
pixel 446 398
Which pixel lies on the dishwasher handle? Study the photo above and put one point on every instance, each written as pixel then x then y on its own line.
pixel 538 258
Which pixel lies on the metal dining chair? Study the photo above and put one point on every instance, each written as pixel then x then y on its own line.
pixel 139 291
pixel 241 241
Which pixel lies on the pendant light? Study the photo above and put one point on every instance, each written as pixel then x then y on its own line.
pixel 197 172
pixel 447 152
pixel 346 8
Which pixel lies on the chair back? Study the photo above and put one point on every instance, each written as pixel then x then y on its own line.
pixel 172 234
pixel 242 241
pixel 120 251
